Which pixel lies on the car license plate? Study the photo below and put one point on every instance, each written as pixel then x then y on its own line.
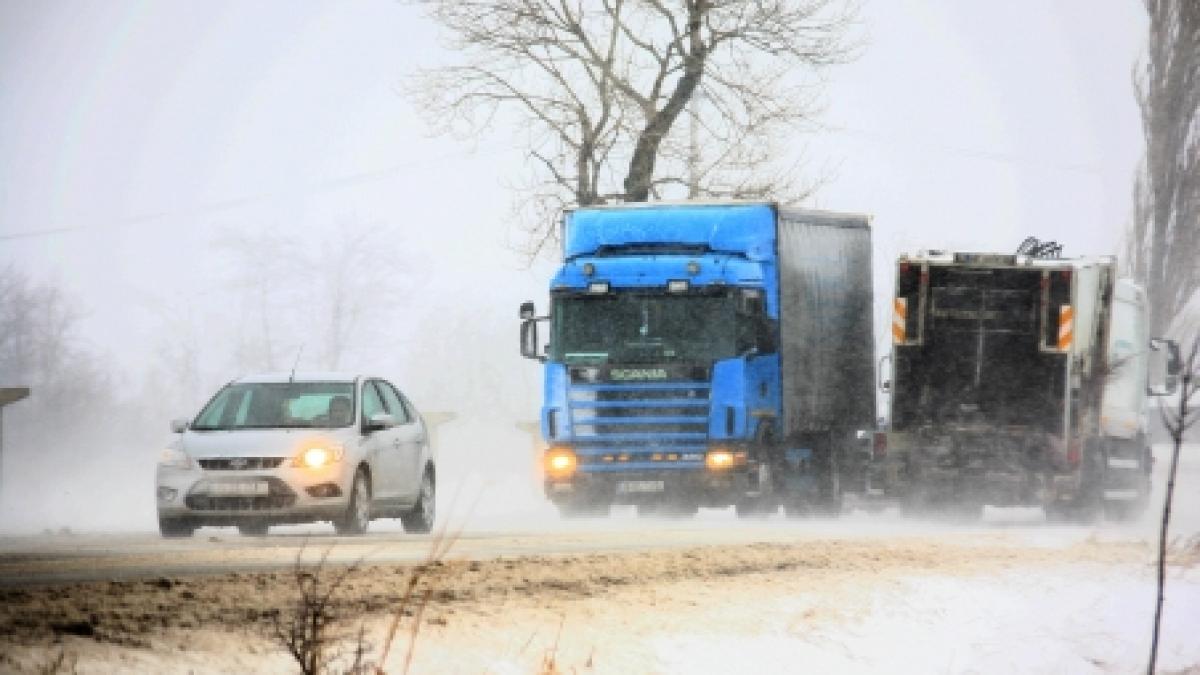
pixel 627 486
pixel 241 489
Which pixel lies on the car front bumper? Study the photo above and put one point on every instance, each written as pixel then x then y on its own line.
pixel 282 495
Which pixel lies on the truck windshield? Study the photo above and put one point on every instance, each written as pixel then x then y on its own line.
pixel 274 405
pixel 637 327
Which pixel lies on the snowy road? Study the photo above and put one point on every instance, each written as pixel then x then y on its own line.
pixel 860 594
pixel 59 558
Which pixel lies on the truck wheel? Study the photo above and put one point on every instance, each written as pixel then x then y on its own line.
pixel 754 507
pixel 253 528
pixel 669 510
pixel 358 511
pixel 420 519
pixel 175 528
pixel 797 510
pixel 1124 512
pixel 583 509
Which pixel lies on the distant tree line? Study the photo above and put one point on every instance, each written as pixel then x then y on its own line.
pixel 1164 239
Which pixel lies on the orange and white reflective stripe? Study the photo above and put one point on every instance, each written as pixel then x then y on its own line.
pixel 899 319
pixel 1066 327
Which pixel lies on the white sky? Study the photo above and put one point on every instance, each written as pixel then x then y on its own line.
pixel 151 126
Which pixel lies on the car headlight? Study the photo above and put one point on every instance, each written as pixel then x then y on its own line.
pixel 318 456
pixel 174 458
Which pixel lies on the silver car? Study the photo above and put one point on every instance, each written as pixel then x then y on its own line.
pixel 298 448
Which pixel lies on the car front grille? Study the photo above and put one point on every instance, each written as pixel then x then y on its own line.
pixel 240 463
pixel 278 496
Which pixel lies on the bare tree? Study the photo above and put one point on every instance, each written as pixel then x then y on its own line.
pixel 40 346
pixel 357 282
pixel 599 88
pixel 1164 239
pixel 263 267
pixel 323 296
pixel 1177 422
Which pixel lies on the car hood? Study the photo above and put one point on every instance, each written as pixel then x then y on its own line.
pixel 256 442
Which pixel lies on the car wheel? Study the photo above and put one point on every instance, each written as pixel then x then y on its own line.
pixel 254 528
pixel 358 511
pixel 174 528
pixel 420 519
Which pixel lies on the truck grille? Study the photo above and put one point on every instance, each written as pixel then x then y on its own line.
pixel 240 463
pixel 627 426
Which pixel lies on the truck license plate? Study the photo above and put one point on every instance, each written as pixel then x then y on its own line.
pixel 627 486
pixel 241 489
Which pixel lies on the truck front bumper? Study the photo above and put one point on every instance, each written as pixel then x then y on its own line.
pixel 699 487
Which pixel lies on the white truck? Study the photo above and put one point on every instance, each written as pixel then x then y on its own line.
pixel 1017 380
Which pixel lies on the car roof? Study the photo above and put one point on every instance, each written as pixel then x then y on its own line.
pixel 299 376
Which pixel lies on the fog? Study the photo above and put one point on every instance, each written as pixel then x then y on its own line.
pixel 190 179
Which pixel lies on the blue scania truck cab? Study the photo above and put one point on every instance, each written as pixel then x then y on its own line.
pixel 705 354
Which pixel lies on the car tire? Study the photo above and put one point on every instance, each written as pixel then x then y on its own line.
pixel 420 519
pixel 256 528
pixel 358 511
pixel 175 528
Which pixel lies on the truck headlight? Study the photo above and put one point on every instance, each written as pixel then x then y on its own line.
pixel 318 456
pixel 560 462
pixel 174 458
pixel 721 460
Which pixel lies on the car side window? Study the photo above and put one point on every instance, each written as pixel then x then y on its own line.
pixel 412 409
pixel 395 406
pixel 372 404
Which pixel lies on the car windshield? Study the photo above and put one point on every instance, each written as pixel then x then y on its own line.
pixel 636 327
pixel 279 405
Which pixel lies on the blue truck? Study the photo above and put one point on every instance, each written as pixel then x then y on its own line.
pixel 706 354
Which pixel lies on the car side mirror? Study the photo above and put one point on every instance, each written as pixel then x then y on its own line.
pixel 379 422
pixel 180 425
pixel 1174 366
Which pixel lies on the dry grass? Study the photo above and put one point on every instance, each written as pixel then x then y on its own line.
pixel 314 631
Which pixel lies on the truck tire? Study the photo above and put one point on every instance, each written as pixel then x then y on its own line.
pixel 175 528
pixel 1124 512
pixel 667 510
pixel 829 491
pixel 253 528
pixel 754 507
pixel 583 508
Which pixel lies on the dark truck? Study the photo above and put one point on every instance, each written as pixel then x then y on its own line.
pixel 1016 381
pixel 706 354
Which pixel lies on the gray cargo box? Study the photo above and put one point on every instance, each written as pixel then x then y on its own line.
pixel 826 334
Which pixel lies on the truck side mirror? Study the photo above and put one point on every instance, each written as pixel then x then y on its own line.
pixel 529 340
pixel 179 425
pixel 527 311
pixel 1174 367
